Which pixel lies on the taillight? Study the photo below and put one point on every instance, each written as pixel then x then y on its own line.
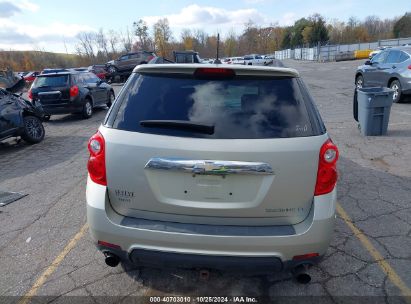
pixel 97 161
pixel 110 245
pixel 306 256
pixel 30 95
pixel 409 67
pixel 214 72
pixel 74 91
pixel 327 168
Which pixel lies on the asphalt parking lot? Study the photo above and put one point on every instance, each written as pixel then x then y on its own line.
pixel 45 249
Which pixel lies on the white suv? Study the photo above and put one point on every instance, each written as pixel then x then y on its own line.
pixel 209 166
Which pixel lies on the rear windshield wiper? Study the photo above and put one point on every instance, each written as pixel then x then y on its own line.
pixel 179 125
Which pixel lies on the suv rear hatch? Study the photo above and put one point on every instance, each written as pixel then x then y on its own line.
pixel 213 148
pixel 51 89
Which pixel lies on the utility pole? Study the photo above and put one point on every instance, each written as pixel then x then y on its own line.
pixel 217 60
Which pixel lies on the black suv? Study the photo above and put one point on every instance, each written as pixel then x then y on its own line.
pixel 70 91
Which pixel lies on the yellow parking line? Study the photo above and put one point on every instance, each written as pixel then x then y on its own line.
pixel 386 268
pixel 53 266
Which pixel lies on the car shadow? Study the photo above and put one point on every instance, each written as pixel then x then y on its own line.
pixel 60 119
pixel 399 133
pixel 192 282
pixel 51 151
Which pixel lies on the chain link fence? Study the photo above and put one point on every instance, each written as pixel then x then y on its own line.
pixel 336 51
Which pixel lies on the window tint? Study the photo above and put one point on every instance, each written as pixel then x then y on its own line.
pixel 237 108
pixel 91 78
pixel 125 57
pixel 51 81
pixel 393 57
pixel 380 57
pixel 184 58
pixel 403 57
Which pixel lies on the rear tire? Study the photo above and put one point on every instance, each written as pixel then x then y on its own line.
pixel 112 69
pixel 396 86
pixel 33 130
pixel 87 111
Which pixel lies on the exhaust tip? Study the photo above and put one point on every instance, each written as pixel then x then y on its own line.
pixel 303 278
pixel 300 274
pixel 111 260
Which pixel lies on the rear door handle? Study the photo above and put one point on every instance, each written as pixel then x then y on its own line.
pixel 394 67
pixel 209 167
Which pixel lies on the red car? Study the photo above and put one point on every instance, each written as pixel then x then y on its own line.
pixel 99 70
pixel 29 77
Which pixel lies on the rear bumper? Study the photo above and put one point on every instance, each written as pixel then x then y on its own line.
pixel 194 250
pixel 63 108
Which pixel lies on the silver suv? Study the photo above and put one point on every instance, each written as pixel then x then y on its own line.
pixel 209 166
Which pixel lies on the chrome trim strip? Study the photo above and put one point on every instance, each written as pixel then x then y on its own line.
pixel 49 93
pixel 209 167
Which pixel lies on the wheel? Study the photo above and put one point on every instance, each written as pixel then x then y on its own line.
pixel 359 82
pixel 33 130
pixel 110 98
pixel 87 109
pixel 396 86
pixel 112 69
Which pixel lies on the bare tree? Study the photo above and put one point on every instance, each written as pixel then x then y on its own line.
pixel 86 44
pixel 102 42
pixel 126 40
pixel 113 41
pixel 141 31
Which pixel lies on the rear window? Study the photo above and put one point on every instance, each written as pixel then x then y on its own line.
pixel 51 81
pixel 236 108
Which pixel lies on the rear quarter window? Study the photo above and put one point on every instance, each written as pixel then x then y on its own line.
pixel 237 108
pixel 51 81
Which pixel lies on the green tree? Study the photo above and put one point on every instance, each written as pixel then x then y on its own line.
pixel 319 31
pixel 402 28
pixel 286 38
pixel 297 32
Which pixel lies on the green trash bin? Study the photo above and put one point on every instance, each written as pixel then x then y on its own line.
pixel 374 106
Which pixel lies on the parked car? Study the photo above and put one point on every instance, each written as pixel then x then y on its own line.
pixel 186 57
pixel 70 92
pixel 127 62
pixel 18 117
pixel 254 59
pixel 238 60
pixel 99 70
pixel 227 60
pixel 205 166
pixel 389 68
pixel 159 60
pixel 29 77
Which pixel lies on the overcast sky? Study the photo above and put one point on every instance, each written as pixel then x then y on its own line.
pixel 53 25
